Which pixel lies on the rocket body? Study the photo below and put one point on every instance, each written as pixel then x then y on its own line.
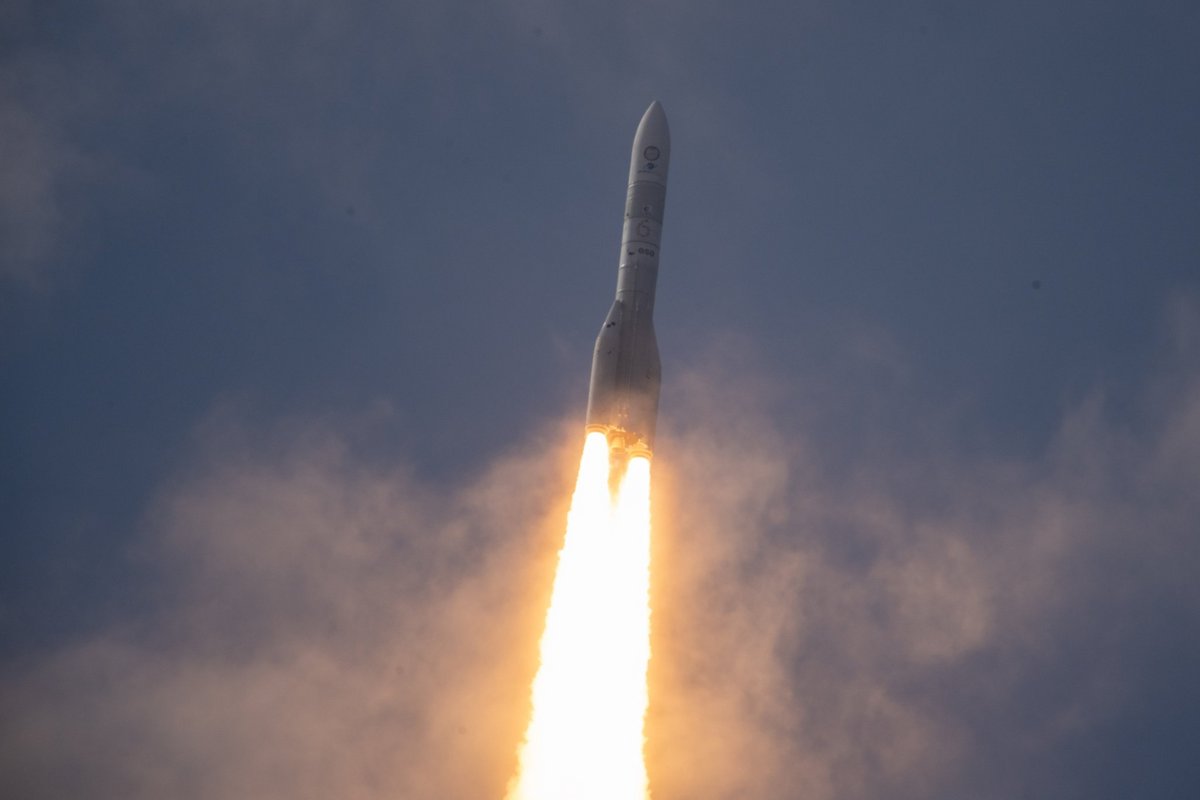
pixel 626 372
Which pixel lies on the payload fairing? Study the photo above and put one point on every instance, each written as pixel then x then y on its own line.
pixel 626 372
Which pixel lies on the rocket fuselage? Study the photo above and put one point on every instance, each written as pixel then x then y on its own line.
pixel 626 373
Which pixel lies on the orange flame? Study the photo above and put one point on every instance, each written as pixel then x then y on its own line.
pixel 585 736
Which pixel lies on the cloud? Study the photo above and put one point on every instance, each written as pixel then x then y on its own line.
pixel 37 159
pixel 320 628
pixel 931 624
pixel 308 98
pixel 927 624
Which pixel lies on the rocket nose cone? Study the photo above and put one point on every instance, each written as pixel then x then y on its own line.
pixel 654 124
pixel 651 147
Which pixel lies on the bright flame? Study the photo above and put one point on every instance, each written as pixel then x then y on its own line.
pixel 585 736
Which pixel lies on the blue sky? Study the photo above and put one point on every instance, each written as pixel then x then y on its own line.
pixel 296 311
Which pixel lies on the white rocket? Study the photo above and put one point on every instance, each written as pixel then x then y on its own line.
pixel 626 372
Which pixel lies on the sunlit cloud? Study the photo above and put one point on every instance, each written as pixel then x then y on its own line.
pixel 326 625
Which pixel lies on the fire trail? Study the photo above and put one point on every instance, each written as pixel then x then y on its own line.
pixel 585 736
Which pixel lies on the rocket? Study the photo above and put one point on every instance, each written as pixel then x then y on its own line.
pixel 626 372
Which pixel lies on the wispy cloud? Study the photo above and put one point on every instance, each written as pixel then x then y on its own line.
pixel 309 97
pixel 320 628
pixel 37 161
pixel 931 624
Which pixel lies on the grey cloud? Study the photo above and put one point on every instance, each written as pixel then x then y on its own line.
pixel 317 99
pixel 321 628
pixel 36 160
pixel 930 624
